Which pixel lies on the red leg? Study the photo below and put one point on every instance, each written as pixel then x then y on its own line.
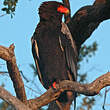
pixel 54 85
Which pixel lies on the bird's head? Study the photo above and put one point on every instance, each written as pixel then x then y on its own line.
pixel 52 10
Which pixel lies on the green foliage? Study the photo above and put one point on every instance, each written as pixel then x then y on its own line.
pixel 82 77
pixel 5 106
pixel 86 52
pixel 88 103
pixel 9 6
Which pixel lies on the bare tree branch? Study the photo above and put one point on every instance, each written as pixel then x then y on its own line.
pixel 105 96
pixel 7 54
pixel 103 106
pixel 51 95
pixel 17 104
pixel 85 89
pixel 68 16
pixel 2 72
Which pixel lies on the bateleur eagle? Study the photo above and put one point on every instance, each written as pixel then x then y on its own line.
pixel 53 48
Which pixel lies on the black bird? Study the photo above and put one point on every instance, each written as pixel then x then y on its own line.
pixel 53 48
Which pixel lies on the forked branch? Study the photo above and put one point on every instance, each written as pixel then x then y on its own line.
pixel 16 103
pixel 85 89
pixel 8 55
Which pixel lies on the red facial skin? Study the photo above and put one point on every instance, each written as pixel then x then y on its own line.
pixel 63 9
pixel 54 85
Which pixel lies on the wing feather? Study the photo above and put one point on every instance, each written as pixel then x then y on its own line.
pixel 35 52
pixel 70 54
pixel 70 50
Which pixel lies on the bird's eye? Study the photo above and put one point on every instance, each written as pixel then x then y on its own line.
pixel 63 9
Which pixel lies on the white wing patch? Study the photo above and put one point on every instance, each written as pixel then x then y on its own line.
pixel 71 55
pixel 36 61
pixel 66 31
pixel 61 44
pixel 36 48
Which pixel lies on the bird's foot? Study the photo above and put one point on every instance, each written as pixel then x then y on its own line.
pixel 53 86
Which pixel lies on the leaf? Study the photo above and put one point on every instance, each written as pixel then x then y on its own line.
pixel 5 3
pixel 11 16
pixel 8 11
pixel 13 9
pixel 4 9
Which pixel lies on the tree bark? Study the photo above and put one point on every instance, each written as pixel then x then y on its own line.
pixel 91 89
pixel 8 55
pixel 16 103
pixel 87 19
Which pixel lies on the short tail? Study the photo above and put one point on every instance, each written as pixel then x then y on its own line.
pixel 66 99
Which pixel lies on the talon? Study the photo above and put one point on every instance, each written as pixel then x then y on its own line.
pixel 53 86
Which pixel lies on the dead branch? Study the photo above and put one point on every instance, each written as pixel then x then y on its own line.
pixel 68 16
pixel 105 95
pixel 5 95
pixel 85 89
pixel 7 54
pixel 51 95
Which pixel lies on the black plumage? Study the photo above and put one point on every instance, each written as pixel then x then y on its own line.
pixel 53 48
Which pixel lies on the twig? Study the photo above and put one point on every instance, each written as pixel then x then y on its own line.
pixel 2 72
pixel 32 89
pixel 24 76
pixel 103 107
pixel 106 91
pixel 3 15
